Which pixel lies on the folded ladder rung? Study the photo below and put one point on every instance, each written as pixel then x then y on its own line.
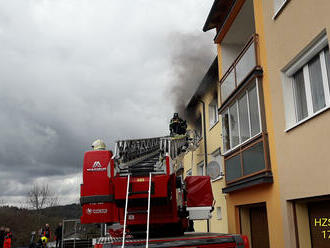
pixel 138 193
pixel 138 212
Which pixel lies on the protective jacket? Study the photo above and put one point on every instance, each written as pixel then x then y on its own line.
pixel 45 232
pixel 7 240
pixel 58 232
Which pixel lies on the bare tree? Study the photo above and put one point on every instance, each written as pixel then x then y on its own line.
pixel 40 196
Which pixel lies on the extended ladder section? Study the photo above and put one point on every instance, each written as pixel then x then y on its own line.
pixel 139 157
pixel 128 193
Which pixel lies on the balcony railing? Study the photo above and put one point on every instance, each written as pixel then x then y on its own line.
pixel 248 161
pixel 244 64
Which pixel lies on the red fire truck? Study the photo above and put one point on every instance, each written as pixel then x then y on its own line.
pixel 137 188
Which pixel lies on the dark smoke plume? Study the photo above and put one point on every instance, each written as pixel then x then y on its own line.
pixel 191 56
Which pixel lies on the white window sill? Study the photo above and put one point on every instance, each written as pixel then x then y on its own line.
pixel 307 118
pixel 218 178
pixel 213 125
pixel 277 13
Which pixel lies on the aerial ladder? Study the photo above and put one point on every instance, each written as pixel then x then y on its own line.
pixel 137 187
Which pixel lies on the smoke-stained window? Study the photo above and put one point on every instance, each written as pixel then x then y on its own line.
pixel 213 113
pixel 198 126
pixel 233 123
pixel 225 131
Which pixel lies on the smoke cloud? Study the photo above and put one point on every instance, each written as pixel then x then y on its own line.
pixel 192 54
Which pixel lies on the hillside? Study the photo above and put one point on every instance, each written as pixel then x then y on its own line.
pixel 23 221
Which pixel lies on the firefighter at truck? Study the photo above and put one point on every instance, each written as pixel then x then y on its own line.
pixel 45 235
pixel 7 238
pixel 98 145
pixel 177 125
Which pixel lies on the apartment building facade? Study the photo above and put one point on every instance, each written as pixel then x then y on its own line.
pixel 205 158
pixel 248 148
pixel 273 59
pixel 297 45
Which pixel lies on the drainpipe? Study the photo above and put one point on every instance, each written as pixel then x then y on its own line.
pixel 205 149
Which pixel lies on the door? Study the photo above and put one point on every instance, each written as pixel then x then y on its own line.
pixel 319 222
pixel 259 227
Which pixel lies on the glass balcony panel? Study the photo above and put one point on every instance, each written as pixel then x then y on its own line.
pixel 246 64
pixel 233 122
pixel 233 168
pixel 228 86
pixel 244 126
pixel 254 159
pixel 225 131
pixel 254 111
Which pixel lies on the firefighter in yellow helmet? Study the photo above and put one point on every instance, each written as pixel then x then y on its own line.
pixel 98 145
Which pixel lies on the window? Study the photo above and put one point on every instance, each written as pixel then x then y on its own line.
pixel 219 213
pixel 300 95
pixel 198 127
pixel 241 120
pixel 306 84
pixel 213 113
pixel 189 173
pixel 200 169
pixel 327 60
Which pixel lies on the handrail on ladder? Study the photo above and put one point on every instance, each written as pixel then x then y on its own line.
pixel 125 216
pixel 148 212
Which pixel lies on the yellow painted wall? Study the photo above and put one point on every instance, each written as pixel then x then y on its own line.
pixel 269 194
pixel 197 156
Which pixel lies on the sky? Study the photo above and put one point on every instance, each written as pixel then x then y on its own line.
pixel 72 71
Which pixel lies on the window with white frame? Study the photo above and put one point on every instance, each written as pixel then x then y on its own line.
pixel 213 113
pixel 306 84
pixel 241 120
pixel 200 169
pixel 219 213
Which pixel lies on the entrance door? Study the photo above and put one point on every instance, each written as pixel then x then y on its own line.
pixel 259 227
pixel 319 222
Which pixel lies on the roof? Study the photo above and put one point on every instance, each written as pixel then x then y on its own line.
pixel 218 14
pixel 211 76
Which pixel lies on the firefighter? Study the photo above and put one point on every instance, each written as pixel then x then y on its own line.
pixel 45 235
pixel 98 145
pixel 7 238
pixel 58 233
pixel 177 125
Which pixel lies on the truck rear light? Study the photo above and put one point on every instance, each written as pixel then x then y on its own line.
pixel 245 241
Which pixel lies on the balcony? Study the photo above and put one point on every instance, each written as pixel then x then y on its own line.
pixel 248 166
pixel 246 62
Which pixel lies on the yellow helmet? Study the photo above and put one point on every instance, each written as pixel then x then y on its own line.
pixel 98 145
pixel 44 239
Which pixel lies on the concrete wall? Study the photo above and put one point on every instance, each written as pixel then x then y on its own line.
pixel 302 153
